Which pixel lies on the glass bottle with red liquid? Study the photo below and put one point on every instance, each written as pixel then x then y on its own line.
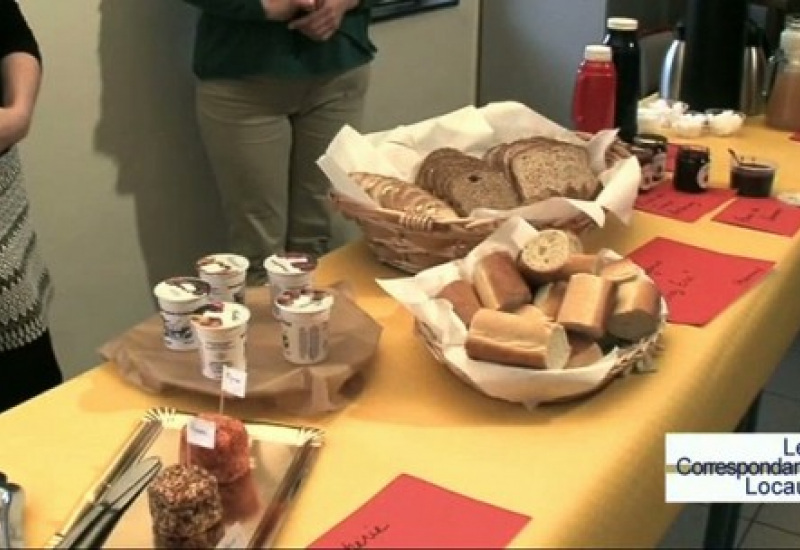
pixel 594 96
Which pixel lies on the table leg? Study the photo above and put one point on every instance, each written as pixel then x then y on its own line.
pixel 723 517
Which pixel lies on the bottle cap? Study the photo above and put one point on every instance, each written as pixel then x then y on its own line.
pixel 597 53
pixel 622 24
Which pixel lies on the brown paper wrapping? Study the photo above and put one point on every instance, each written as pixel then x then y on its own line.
pixel 144 361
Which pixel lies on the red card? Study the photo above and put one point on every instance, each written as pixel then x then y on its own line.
pixel 412 513
pixel 665 201
pixel 697 283
pixel 767 214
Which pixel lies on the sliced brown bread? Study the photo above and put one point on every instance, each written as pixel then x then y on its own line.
pixel 481 189
pixel 550 168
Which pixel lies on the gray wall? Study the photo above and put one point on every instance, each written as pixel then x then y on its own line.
pixel 120 190
pixel 531 49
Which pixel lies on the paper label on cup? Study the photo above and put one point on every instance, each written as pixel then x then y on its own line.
pixel 201 432
pixel 290 263
pixel 234 381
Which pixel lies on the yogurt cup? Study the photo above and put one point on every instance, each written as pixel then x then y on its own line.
pixel 178 299
pixel 226 274
pixel 289 271
pixel 221 330
pixel 304 317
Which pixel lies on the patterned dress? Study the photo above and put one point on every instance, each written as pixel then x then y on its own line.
pixel 25 289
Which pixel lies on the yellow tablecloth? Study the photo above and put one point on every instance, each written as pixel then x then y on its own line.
pixel 589 473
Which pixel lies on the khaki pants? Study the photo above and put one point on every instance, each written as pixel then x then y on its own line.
pixel 263 137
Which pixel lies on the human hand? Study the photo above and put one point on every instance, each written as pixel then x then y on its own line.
pixel 14 126
pixel 284 10
pixel 321 23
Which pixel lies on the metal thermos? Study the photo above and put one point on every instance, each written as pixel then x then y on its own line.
pixel 712 63
pixel 672 67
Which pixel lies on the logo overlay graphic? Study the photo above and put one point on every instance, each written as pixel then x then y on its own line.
pixel 725 467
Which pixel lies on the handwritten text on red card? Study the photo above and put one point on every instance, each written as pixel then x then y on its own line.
pixel 697 283
pixel 762 214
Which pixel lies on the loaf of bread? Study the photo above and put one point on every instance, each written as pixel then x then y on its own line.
pixel 548 298
pixel 583 351
pixel 396 194
pixel 504 338
pixel 636 313
pixel 586 305
pixel 498 282
pixel 461 294
pixel 544 256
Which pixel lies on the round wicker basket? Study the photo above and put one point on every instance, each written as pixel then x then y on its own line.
pixel 638 355
pixel 413 243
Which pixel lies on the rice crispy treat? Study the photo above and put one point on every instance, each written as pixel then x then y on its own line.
pixel 184 502
pixel 230 457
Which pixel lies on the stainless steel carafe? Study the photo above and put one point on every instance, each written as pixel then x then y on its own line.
pixel 672 67
pixel 754 66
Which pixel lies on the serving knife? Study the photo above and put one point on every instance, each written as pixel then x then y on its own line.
pixel 95 526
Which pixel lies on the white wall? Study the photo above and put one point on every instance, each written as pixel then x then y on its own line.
pixel 120 190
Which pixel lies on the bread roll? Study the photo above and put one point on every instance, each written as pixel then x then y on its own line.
pixel 619 271
pixel 465 300
pixel 583 351
pixel 498 282
pixel 504 338
pixel 530 312
pixel 542 258
pixel 586 305
pixel 548 298
pixel 637 309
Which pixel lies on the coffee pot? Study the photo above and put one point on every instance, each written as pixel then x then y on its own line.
pixel 782 87
pixel 754 68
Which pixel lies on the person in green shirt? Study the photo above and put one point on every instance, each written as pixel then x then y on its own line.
pixel 276 80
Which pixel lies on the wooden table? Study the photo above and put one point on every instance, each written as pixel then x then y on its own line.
pixel 589 473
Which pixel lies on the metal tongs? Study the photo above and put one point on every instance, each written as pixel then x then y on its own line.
pixel 12 504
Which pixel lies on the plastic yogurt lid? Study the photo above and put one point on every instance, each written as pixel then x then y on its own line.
pixel 222 315
pixel 182 289
pixel 307 300
pixel 622 23
pixel 220 264
pixel 290 263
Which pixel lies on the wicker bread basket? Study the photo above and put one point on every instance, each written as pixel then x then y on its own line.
pixel 638 356
pixel 413 243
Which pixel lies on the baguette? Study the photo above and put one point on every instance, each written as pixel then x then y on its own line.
pixel 530 312
pixel 548 298
pixel 542 258
pixel 504 338
pixel 620 271
pixel 499 284
pixel 584 351
pixel 586 305
pixel 461 294
pixel 637 310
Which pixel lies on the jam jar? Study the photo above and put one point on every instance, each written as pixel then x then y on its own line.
pixel 692 166
pixel 651 150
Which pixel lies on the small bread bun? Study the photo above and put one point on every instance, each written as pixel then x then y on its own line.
pixel 586 305
pixel 584 351
pixel 499 284
pixel 543 257
pixel 505 338
pixel 620 271
pixel 461 294
pixel 548 298
pixel 637 310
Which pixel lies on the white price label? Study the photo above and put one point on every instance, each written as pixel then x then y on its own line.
pixel 234 381
pixel 234 537
pixel 201 432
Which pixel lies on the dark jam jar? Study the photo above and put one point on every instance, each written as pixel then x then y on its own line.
pixel 692 165
pixel 651 150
